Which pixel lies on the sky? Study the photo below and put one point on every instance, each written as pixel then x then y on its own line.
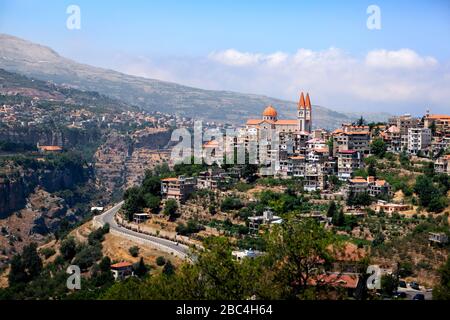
pixel 275 48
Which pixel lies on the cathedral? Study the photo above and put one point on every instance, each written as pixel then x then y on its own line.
pixel 302 124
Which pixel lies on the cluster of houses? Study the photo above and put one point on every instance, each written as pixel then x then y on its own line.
pixel 293 149
pixel 179 188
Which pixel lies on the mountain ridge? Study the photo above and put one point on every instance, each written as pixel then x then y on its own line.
pixel 41 62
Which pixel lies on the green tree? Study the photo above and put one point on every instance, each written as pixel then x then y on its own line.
pixel 151 184
pixel 168 269
pixel 152 202
pixel 171 208
pixel 303 247
pixel 339 218
pixel 134 251
pixel 442 291
pixel 378 147
pixel 425 189
pixel 438 204
pixel 134 202
pixel 160 261
pixel 31 260
pixel 17 273
pixel 361 121
pixel 332 209
pixel 389 284
pixel 371 170
pixel 26 266
pixel 140 269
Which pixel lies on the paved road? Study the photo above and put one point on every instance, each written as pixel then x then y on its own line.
pixel 163 244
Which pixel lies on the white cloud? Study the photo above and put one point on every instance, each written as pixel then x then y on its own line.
pixel 233 57
pixel 403 58
pixel 390 81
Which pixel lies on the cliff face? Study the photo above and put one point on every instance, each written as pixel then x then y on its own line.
pixel 64 137
pixel 122 160
pixel 12 196
pixel 151 138
pixel 14 190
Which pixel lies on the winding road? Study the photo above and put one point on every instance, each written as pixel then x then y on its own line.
pixel 165 245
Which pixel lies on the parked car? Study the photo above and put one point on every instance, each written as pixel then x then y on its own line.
pixel 402 284
pixel 419 296
pixel 400 295
pixel 414 285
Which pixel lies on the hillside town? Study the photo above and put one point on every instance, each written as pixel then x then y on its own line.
pixel 376 186
pixel 371 183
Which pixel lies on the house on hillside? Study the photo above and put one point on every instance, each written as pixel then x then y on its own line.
pixel 122 270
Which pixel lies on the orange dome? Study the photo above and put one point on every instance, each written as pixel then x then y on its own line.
pixel 270 112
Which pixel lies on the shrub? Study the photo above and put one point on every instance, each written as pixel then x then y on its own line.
pixel 47 252
pixel 160 261
pixel 68 249
pixel 168 269
pixel 134 251
pixel 171 208
pixel 87 256
pixel 191 227
pixel 231 203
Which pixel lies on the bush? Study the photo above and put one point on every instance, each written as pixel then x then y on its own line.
pixel 47 252
pixel 140 269
pixel 160 261
pixel 171 208
pixel 97 236
pixel 231 203
pixel 168 269
pixel 134 251
pixel 68 249
pixel 87 256
pixel 191 227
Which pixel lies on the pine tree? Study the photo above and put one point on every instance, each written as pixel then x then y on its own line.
pixel 140 269
pixel 332 209
pixel 339 218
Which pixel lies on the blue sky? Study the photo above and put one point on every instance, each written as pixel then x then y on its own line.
pixel 160 39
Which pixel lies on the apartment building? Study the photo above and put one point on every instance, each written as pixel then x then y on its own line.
pixel 348 162
pixel 442 164
pixel 351 137
pixel 178 188
pixel 372 186
pixel 419 139
pixel 441 123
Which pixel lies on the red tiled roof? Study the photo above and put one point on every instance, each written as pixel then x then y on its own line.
pixel 347 151
pixel 211 144
pixel 380 182
pixel 349 281
pixel 297 157
pixel 286 122
pixel 50 148
pixel 358 180
pixel 438 117
pixel 169 179
pixel 254 121
pixel 121 265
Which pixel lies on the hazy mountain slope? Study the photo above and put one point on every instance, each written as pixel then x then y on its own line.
pixel 43 63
